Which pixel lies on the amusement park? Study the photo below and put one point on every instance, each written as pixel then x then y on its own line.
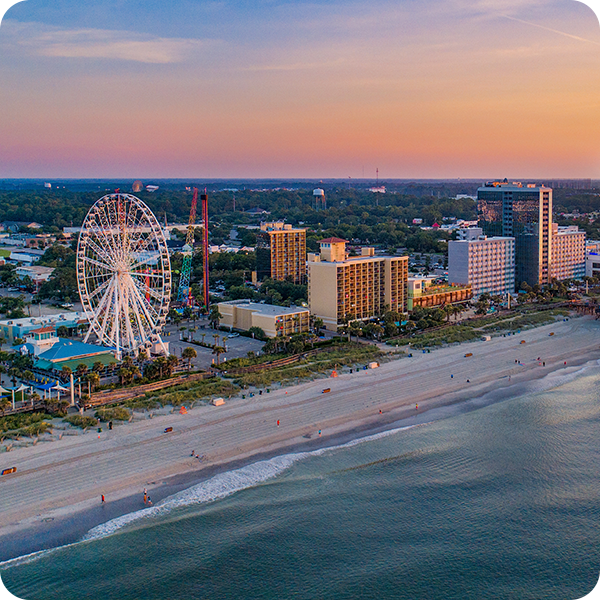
pixel 120 335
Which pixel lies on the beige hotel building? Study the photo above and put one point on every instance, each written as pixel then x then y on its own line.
pixel 568 253
pixel 281 252
pixel 358 287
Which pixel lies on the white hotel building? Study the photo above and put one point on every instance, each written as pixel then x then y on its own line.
pixel 487 264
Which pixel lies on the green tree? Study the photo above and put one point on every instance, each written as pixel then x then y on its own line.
pixel 81 369
pixel 188 354
pixel 218 350
pixel 215 316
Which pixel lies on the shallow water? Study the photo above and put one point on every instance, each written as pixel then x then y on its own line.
pixel 502 502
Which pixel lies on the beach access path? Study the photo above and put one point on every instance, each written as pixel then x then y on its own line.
pixel 63 477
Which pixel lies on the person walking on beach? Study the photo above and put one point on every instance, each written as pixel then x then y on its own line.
pixel 145 496
pixel 102 500
pixel 277 422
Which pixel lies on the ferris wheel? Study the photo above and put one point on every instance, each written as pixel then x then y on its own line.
pixel 124 274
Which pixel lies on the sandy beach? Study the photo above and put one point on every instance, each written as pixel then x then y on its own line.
pixel 55 495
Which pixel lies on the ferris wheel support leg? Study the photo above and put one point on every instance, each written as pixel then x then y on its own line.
pixel 163 346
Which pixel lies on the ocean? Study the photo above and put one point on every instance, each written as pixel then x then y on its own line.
pixel 497 499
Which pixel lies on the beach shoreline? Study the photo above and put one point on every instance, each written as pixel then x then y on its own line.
pixel 246 432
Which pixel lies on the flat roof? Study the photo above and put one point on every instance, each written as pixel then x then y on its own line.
pixel 56 319
pixel 495 238
pixel 356 259
pixel 270 310
pixel 507 187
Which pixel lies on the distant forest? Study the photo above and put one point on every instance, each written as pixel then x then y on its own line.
pixel 354 213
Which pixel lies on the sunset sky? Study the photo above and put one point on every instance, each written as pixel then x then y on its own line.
pixel 327 88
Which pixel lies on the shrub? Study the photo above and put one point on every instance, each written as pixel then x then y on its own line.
pixel 79 421
pixel 117 413
pixel 19 421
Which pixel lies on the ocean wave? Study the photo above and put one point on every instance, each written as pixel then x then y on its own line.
pixel 224 484
pixel 217 487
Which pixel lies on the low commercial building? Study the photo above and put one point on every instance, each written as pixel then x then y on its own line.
pixel 361 287
pixel 37 274
pixel 275 321
pixel 487 264
pixel 424 292
pixel 12 329
pixel 568 253
pixel 25 257
pixel 52 354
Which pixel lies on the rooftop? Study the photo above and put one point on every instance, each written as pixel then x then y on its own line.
pixel 333 240
pixel 43 330
pixel 267 309
pixel 68 349
pixel 56 320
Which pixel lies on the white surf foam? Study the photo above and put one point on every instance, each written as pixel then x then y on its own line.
pixel 217 487
pixel 224 484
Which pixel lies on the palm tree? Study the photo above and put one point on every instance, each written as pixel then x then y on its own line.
pixel 93 379
pixel 224 340
pixel 203 336
pixel 98 367
pixel 66 372
pixel 161 363
pixel 218 350
pixel 448 310
pixel 81 370
pixel 127 362
pixel 215 316
pixel 124 375
pixel 172 362
pixel 216 336
pixel 377 331
pixel 135 372
pixel 14 373
pixel 189 353
pixel 318 324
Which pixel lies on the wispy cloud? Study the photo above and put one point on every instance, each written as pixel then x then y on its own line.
pixel 569 35
pixel 42 40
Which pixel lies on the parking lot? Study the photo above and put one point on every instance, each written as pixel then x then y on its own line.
pixel 236 346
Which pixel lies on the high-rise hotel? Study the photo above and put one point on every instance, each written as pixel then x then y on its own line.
pixel 524 213
pixel 281 252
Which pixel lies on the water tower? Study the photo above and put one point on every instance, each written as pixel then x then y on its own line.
pixel 320 201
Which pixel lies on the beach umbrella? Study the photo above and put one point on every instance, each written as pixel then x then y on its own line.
pixel 59 388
